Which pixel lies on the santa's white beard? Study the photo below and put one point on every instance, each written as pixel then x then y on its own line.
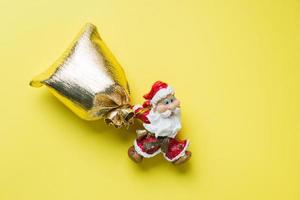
pixel 164 124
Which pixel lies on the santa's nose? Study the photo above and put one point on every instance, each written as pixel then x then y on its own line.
pixel 175 104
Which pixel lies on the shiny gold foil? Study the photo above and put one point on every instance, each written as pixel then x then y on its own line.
pixel 88 79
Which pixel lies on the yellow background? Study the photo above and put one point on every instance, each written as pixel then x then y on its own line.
pixel 235 68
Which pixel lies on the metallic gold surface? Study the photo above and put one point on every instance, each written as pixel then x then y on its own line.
pixel 88 79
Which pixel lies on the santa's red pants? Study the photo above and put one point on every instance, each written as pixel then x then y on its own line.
pixel 149 146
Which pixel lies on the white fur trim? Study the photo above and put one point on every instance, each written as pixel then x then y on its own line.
pixel 135 107
pixel 142 153
pixel 182 153
pixel 162 93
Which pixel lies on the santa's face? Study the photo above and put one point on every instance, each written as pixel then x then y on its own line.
pixel 168 103
pixel 164 117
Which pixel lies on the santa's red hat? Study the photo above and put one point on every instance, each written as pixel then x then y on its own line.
pixel 158 91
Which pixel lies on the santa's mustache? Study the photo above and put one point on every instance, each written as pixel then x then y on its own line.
pixel 170 112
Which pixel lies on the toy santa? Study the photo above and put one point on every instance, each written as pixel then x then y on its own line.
pixel 89 81
pixel 160 115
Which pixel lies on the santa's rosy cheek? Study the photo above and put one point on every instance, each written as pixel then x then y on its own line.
pixel 162 108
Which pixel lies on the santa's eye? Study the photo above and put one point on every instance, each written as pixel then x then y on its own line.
pixel 167 101
pixel 172 99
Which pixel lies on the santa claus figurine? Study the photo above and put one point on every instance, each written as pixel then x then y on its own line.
pixel 160 115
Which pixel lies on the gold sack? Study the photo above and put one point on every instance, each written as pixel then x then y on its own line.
pixel 89 80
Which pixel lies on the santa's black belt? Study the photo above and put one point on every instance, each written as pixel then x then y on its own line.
pixel 162 142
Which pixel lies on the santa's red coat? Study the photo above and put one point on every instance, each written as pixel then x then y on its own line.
pixel 175 147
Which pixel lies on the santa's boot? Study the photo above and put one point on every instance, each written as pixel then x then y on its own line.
pixel 134 155
pixel 183 158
